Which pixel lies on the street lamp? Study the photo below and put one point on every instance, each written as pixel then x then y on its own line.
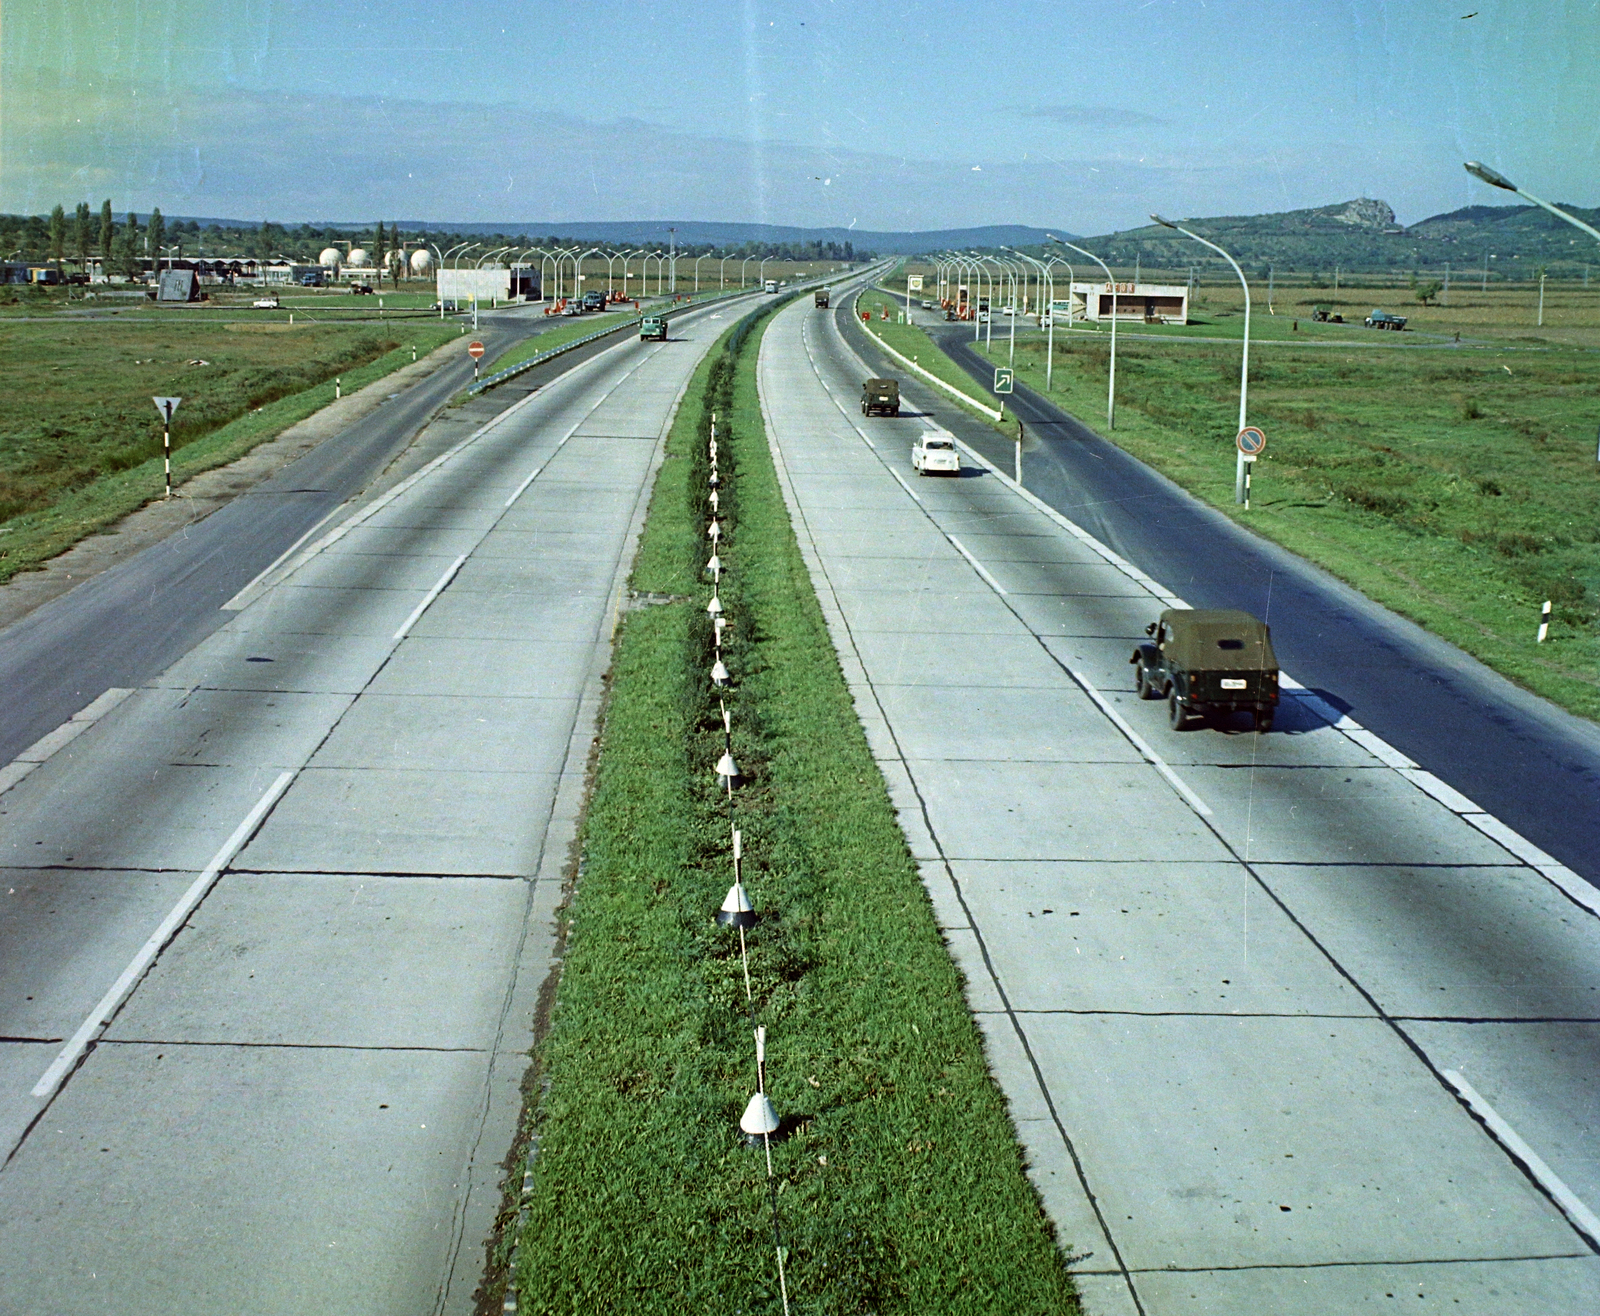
pixel 1111 385
pixel 722 267
pixel 1244 361
pixel 1047 301
pixel 697 261
pixel 1496 179
pixel 761 271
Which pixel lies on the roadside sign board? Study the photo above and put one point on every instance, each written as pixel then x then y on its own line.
pixel 1251 441
pixel 166 406
pixel 914 282
pixel 475 349
pixel 1002 379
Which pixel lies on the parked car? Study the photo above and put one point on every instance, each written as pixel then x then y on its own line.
pixel 880 397
pixel 1206 661
pixel 361 289
pixel 927 305
pixel 935 451
pixel 266 303
pixel 1383 320
pixel 571 306
pixel 653 326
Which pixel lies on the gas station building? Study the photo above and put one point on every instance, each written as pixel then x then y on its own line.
pixel 1145 303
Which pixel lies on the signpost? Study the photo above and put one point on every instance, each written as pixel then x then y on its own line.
pixel 475 351
pixel 166 406
pixel 913 284
pixel 1003 378
pixel 1251 442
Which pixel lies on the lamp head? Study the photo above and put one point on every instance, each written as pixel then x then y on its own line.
pixel 1165 223
pixel 1492 177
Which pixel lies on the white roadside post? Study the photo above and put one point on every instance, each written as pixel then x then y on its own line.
pixel 166 406
pixel 1239 471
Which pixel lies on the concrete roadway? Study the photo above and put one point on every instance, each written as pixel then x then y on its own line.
pixel 1235 988
pixel 1525 760
pixel 274 924
pixel 121 627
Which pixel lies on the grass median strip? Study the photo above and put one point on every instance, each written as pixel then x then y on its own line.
pixel 901 1183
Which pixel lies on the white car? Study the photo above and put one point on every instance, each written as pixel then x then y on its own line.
pixel 935 452
pixel 266 303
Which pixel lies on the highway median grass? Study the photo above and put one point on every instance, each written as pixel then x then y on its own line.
pixel 80 440
pixel 900 1186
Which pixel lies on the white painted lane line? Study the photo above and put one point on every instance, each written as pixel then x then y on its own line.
pixel 904 485
pixel 1143 746
pixel 1446 794
pixel 159 938
pixel 523 487
pixel 1571 1205
pixel 962 549
pixel 429 597
pixel 48 745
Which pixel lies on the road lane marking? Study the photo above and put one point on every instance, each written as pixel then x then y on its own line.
pixel 1142 745
pixel 962 549
pixel 1571 1205
pixel 242 599
pixel 124 984
pixel 48 745
pixel 430 596
pixel 907 487
pixel 532 476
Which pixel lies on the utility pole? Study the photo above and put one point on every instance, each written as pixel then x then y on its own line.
pixel 672 253
pixel 1444 299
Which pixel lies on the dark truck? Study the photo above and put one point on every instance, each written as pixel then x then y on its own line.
pixel 822 299
pixel 1384 320
pixel 594 300
pixel 880 397
pixel 1207 661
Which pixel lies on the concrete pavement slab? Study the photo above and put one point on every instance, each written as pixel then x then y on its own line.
pixel 315 611
pixel 450 733
pixel 461 615
pixel 273 660
pixel 1335 815
pixel 343 820
pixel 559 577
pixel 1044 547
pixel 52 971
pixel 359 568
pixel 511 669
pixel 337 1167
pixel 1273 1141
pixel 1487 943
pixel 224 728
pixel 283 959
pixel 21 1063
pixel 921 612
pixel 947 910
pixel 566 546
pixel 944 574
pixel 1541 1078
pixel 1477 1288
pixel 1025 724
pixel 906 658
pixel 1057 811
pixel 1147 938
pixel 435 541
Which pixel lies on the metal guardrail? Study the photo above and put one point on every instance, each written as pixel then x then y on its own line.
pixel 511 372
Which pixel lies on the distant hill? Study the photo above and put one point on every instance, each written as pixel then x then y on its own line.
pixel 1362 235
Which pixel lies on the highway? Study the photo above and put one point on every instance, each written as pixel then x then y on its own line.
pixel 1529 763
pixel 1286 1024
pixel 278 908
pixel 121 627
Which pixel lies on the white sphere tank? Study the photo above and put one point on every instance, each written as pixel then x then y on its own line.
pixel 357 257
pixel 421 261
pixel 330 258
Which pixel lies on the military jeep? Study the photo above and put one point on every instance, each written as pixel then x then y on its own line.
pixel 1208 661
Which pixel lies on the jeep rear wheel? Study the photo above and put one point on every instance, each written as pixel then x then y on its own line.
pixel 1177 714
pixel 1143 684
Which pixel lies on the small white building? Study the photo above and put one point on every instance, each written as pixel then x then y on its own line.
pixel 490 287
pixel 1146 303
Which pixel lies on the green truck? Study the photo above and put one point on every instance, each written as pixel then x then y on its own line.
pixel 653 326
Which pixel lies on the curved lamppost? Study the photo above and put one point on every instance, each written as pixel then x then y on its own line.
pixel 742 264
pixel 721 274
pixel 697 261
pixel 1111 386
pixel 1244 360
pixel 761 271
pixel 1494 178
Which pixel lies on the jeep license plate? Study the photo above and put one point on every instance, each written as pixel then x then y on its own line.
pixel 1233 683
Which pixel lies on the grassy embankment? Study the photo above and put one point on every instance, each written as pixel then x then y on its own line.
pixel 80 441
pixel 900 1183
pixel 1457 487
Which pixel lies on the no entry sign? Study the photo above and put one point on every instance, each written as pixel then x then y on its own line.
pixel 475 349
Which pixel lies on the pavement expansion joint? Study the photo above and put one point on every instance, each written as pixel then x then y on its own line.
pixel 381 872
pixel 110 1042
pixel 1360 1265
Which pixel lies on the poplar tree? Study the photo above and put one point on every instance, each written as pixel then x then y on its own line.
pixel 158 231
pixel 108 234
pixel 83 233
pixel 58 236
pixel 131 266
pixel 377 253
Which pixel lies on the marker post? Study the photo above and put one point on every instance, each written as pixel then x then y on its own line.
pixel 166 406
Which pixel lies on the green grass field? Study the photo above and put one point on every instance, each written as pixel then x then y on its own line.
pixel 80 440
pixel 1457 487
pixel 900 1187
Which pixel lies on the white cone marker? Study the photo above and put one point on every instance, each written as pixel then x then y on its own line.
pixel 715 565
pixel 715 606
pixel 715 531
pixel 719 673
pixel 726 767
pixel 737 911
pixel 713 498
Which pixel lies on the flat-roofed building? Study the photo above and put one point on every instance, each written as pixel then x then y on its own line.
pixel 1147 303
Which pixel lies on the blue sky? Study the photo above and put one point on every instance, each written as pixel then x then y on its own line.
pixel 1085 115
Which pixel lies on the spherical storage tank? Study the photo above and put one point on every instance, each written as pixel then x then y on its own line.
pixel 329 259
pixel 421 261
pixel 357 256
